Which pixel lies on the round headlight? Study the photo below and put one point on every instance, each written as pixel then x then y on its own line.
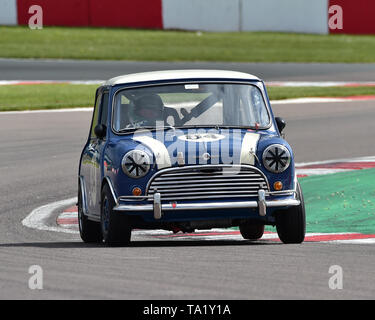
pixel 136 163
pixel 276 158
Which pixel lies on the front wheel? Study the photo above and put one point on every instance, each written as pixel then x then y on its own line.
pixel 116 229
pixel 291 223
pixel 251 231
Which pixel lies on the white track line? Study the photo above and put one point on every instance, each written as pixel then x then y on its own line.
pixel 353 241
pixel 319 171
pixel 37 219
pixel 360 159
pixel 318 83
pixel 31 82
pixel 89 109
pixel 311 100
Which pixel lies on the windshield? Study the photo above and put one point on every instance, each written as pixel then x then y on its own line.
pixel 193 104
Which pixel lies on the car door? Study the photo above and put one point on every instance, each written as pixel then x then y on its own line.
pixel 95 150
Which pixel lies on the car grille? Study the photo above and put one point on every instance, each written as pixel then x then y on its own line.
pixel 207 182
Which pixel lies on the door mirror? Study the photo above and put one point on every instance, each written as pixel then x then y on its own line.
pixel 280 124
pixel 100 131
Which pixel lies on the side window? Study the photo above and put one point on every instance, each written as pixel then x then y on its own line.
pixel 101 112
pixel 95 119
pixel 104 108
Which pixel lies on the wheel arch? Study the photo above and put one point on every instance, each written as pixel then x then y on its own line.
pixel 107 181
pixel 82 188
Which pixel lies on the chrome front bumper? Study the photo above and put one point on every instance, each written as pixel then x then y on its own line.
pixel 157 207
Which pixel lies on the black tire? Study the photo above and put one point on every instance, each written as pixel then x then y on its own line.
pixel 291 223
pixel 251 231
pixel 89 231
pixel 115 227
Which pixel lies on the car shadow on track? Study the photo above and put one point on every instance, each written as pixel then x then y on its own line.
pixel 138 244
pixel 199 243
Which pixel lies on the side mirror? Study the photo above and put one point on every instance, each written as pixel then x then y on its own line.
pixel 100 131
pixel 280 124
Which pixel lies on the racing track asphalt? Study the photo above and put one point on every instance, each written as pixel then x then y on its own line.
pixel 29 69
pixel 38 165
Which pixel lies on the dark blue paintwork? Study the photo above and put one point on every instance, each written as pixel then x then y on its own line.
pixel 101 159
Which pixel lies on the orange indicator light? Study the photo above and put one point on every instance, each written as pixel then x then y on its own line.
pixel 278 185
pixel 137 191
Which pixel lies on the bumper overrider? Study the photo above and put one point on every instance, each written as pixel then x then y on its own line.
pixel 126 204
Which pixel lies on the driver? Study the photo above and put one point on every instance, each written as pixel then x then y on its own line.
pixel 147 110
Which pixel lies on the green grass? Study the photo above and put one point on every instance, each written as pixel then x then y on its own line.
pixel 157 45
pixel 279 93
pixel 46 96
pixel 340 202
pixel 54 96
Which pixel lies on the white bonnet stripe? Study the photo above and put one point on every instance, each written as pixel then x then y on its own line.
pixel 162 157
pixel 249 143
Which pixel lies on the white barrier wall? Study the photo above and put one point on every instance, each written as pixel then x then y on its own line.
pixel 310 16
pixel 207 15
pixel 8 12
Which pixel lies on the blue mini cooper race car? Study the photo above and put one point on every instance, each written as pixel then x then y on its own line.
pixel 186 150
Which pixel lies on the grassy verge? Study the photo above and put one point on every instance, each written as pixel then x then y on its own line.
pixel 46 96
pixel 154 45
pixel 54 96
pixel 341 202
pixel 279 93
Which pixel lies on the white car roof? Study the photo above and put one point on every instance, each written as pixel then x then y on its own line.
pixel 180 75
